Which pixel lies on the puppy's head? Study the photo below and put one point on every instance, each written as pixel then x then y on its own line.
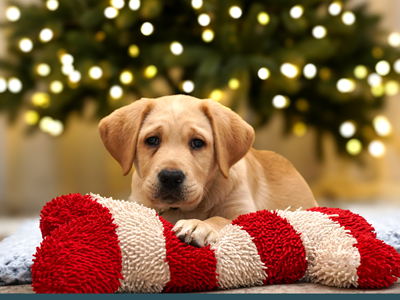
pixel 177 144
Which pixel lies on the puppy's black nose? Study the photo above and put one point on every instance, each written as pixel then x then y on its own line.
pixel 171 179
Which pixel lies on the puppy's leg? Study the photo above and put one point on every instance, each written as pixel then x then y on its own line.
pixel 200 233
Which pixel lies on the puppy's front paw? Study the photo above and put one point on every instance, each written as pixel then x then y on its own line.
pixel 195 232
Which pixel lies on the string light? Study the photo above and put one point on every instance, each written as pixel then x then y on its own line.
pixel 56 87
pixel 310 71
pixel 263 73
pixel 347 129
pixel 235 12
pixel 319 32
pixel 374 79
pixel 75 76
pixel 111 12
pixel 134 4
pixel 117 3
pixel 126 77
pixel 52 5
pixel 296 11
pixel 378 90
pixel 234 83
pixel 394 39
pixel 13 14
pixel 95 72
pixel 116 92
pixel 348 18
pixel 376 148
pixel 335 8
pixel 67 69
pixel 188 86
pixel 45 35
pixel 360 72
pixel 216 95
pixel 196 4
pixel 43 69
pixel 147 28
pixel 51 126
pixel 67 59
pixel 14 85
pixel 392 88
pixel 382 68
pixel 300 129
pixel 208 35
pixel 204 19
pixel 263 18
pixel 289 70
pixel 31 117
pixel 41 99
pixel 345 85
pixel 176 48
pixel 150 71
pixel 396 66
pixel 25 45
pixel 3 85
pixel 353 146
pixel 382 125
pixel 280 102
pixel 133 50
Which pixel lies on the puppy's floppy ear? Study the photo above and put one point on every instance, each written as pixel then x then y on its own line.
pixel 119 131
pixel 233 137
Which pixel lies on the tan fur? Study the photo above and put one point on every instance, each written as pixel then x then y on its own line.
pixel 224 179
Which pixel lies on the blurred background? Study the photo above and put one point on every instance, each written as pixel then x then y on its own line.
pixel 319 80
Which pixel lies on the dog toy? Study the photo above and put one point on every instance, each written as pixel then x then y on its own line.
pixel 93 244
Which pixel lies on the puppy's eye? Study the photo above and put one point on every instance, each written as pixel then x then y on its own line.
pixel 152 141
pixel 197 144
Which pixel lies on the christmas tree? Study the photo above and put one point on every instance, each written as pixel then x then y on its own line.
pixel 320 63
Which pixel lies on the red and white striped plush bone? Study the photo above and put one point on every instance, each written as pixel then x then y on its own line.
pixel 99 245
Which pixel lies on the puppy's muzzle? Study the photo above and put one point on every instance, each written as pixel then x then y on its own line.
pixel 171 183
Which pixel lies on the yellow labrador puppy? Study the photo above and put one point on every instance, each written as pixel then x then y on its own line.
pixel 195 165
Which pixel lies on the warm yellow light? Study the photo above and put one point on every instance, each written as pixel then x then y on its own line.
pixel 345 85
pixel 14 85
pixel 147 28
pixel 95 72
pixel 300 129
pixel 41 99
pixel 263 73
pixel 280 102
pixel 392 88
pixel 376 148
pixel 289 70
pixel 319 32
pixel 150 71
pixel 347 129
pixel 234 83
pixel 67 59
pixel 67 69
pixel 216 95
pixel 235 12
pixel 118 4
pixel 394 39
pixel 56 86
pixel 176 48
pixel 335 8
pixel 25 45
pixel 204 19
pixel 310 71
pixel 196 4
pixel 3 85
pixel 45 35
pixel 45 123
pixel 348 18
pixel 353 146
pixel 126 77
pixel 51 126
pixel 116 92
pixel 134 4
pixel 111 12
pixel 374 79
pixel 296 11
pixel 43 69
pixel 133 50
pixel 208 35
pixel 382 67
pixel 263 18
pixel 75 76
pixel 382 125
pixel 188 86
pixel 31 117
pixel 13 13
pixel 378 90
pixel 52 5
pixel 360 72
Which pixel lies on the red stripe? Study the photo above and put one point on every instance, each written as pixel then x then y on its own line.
pixel 192 269
pixel 278 244
pixel 80 252
pixel 380 263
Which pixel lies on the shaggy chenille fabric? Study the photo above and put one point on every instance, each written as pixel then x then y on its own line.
pixel 98 245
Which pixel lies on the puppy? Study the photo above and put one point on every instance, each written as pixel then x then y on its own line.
pixel 195 165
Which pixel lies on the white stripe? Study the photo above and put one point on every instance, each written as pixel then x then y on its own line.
pixel 332 258
pixel 142 244
pixel 238 262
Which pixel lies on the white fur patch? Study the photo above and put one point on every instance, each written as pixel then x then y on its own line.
pixel 332 257
pixel 238 262
pixel 142 244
